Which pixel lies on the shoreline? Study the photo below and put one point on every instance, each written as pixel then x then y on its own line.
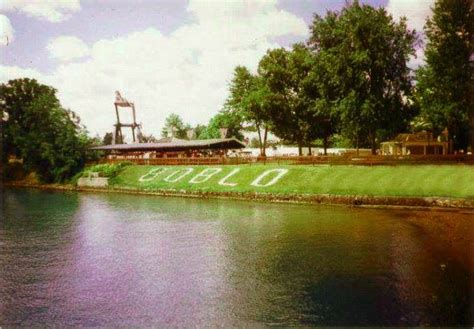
pixel 440 203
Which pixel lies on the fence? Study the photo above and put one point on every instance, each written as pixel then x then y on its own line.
pixel 304 160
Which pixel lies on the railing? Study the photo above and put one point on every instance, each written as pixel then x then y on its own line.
pixel 304 160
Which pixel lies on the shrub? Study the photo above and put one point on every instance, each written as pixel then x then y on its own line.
pixel 107 169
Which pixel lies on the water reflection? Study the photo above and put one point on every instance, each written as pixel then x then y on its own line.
pixel 109 260
pixel 36 231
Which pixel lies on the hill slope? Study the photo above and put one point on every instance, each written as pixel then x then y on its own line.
pixel 407 181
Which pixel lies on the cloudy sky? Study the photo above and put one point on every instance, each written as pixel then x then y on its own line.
pixel 168 56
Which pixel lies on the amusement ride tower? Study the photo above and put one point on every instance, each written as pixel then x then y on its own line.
pixel 118 135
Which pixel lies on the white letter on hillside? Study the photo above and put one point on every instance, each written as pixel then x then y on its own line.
pixel 151 174
pixel 232 173
pixel 280 174
pixel 174 180
pixel 205 174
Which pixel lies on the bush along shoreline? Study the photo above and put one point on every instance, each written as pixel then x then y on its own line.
pixel 446 186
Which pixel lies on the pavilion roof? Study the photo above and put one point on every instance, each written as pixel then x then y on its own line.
pixel 174 144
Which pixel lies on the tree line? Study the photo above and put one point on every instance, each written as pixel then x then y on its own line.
pixel 351 80
pixel 49 139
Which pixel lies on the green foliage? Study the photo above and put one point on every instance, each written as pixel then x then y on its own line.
pixel 445 86
pixel 48 138
pixel 108 138
pixel 353 80
pixel 16 96
pixel 198 130
pixel 321 93
pixel 284 73
pixel 107 169
pixel 340 141
pixel 175 122
pixel 248 100
pixel 147 138
pixel 223 119
pixel 363 53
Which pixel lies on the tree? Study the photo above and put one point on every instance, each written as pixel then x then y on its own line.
pixel 322 95
pixel 16 96
pixel 366 54
pixel 147 138
pixel 108 139
pixel 198 130
pixel 174 123
pixel 49 139
pixel 223 119
pixel 444 84
pixel 284 73
pixel 248 94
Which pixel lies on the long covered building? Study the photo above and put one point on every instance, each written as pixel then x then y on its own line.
pixel 172 147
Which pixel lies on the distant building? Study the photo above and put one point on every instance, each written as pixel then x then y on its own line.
pixel 421 143
pixel 172 147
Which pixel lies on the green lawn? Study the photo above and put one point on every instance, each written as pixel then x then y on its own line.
pixel 409 180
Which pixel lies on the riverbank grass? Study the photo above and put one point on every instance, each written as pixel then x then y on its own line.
pixel 407 181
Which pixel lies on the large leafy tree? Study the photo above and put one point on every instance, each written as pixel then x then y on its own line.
pixel 445 83
pixel 16 96
pixel 284 73
pixel 322 95
pixel 49 139
pixel 366 54
pixel 247 100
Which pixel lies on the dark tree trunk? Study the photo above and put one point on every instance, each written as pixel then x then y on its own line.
pixel 309 149
pixel 264 145
pixel 300 148
pixel 259 140
pixel 357 144
pixel 325 145
pixel 373 144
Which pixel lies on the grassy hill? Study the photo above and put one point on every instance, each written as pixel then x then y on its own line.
pixel 407 181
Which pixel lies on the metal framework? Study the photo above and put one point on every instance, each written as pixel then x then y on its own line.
pixel 118 135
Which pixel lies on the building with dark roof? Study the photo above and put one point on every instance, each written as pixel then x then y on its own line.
pixel 172 147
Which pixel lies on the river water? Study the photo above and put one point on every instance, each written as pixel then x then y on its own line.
pixel 70 259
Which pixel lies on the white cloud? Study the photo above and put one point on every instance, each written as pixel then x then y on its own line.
pixel 67 48
pixel 15 72
pixel 50 10
pixel 6 31
pixel 416 11
pixel 186 72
